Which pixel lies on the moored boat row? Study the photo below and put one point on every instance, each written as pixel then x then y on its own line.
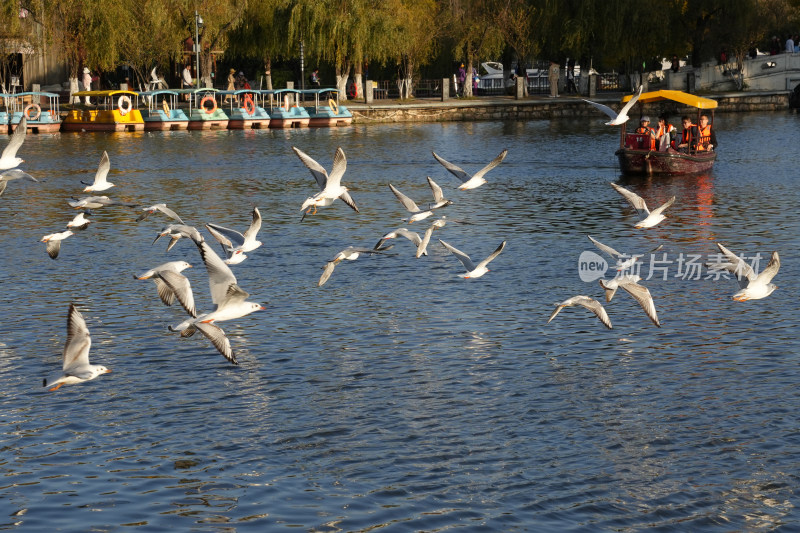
pixel 171 109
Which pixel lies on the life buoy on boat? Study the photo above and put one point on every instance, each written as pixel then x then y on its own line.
pixel 286 104
pixel 36 109
pixel 124 105
pixel 209 98
pixel 165 107
pixel 249 105
pixel 352 90
pixel 333 106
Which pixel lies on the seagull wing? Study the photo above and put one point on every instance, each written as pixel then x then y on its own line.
pixel 454 170
pixel 226 236
pixel 53 248
pixel 3 185
pixel 769 272
pixel 76 349
pixel 15 174
pixel 494 162
pixel 438 196
pixel 326 273
pixel 102 170
pixel 345 196
pixel 180 286
pixel 604 248
pixel 407 202
pixel 339 167
pixel 164 292
pixel 16 140
pixel 169 212
pixel 319 173
pixel 663 207
pixel 461 256
pixel 631 102
pixel 642 296
pixel 422 245
pixel 604 108
pixel 492 255
pixel 589 303
pixel 218 338
pixel 634 199
pixel 740 266
pixel 255 226
pixel 220 276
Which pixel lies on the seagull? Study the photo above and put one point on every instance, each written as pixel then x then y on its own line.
pixel 467 181
pixel 100 182
pixel 54 242
pixel 589 303
pixel 473 270
pixel 234 243
pixel 95 202
pixel 412 207
pixel 229 300
pixel 422 248
pixel 183 291
pixel 622 117
pixel 76 367
pixel 412 236
pixel 147 211
pixel 330 186
pixel 752 286
pixel 621 265
pixel 351 253
pixel 648 218
pixel 175 232
pixel 80 222
pixel 9 159
pixel 13 174
pixel 640 293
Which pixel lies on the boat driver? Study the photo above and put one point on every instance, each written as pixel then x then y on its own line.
pixel 644 128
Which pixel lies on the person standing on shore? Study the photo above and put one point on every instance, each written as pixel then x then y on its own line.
pixel 552 76
pixel 87 83
pixel 230 87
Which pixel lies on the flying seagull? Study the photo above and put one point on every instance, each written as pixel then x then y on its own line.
pixel 584 301
pixel 477 179
pixel 617 119
pixel 648 218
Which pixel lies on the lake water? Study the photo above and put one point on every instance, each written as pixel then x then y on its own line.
pixel 399 396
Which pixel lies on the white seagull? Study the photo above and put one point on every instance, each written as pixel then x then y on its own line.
pixel 648 218
pixel 175 232
pixel 147 211
pixel 9 159
pixel 473 270
pixel 584 301
pixel 413 208
pixel 752 286
pixel 182 288
pixel 422 247
pixel 351 253
pixel 476 180
pixel 76 367
pixel 234 243
pixel 96 202
pixel 100 182
pixel 330 185
pixel 622 117
pixel 13 174
pixel 640 293
pixel 79 222
pixel 412 236
pixel 54 242
pixel 621 265
pixel 229 300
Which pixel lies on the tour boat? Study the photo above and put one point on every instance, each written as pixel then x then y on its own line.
pixel 113 110
pixel 42 118
pixel 243 110
pixel 636 156
pixel 283 109
pixel 204 109
pixel 162 111
pixel 328 113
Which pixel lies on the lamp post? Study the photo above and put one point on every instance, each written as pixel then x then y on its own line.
pixel 198 23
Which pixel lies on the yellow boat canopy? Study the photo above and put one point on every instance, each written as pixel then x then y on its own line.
pixel 676 96
pixel 104 93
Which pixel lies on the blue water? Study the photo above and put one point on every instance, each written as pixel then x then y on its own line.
pixel 399 396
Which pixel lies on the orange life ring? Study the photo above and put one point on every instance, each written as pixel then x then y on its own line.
pixel 209 98
pixel 249 105
pixel 353 90
pixel 333 106
pixel 37 110
pixel 124 105
pixel 286 104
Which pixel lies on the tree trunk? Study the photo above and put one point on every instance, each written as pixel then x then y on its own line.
pixel 342 73
pixel 359 69
pixel 205 69
pixel 268 73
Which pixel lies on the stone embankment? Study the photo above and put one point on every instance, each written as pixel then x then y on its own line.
pixel 540 107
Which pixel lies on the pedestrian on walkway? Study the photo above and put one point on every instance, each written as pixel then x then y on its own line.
pixel 553 74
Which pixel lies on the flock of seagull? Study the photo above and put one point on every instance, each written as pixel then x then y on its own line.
pixel 231 301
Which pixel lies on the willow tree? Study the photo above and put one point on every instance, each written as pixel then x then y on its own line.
pixel 515 21
pixel 338 31
pixel 475 31
pixel 262 34
pixel 411 38
pixel 220 17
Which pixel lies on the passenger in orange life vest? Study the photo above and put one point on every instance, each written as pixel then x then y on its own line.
pixel 664 134
pixel 688 138
pixel 706 140
pixel 644 128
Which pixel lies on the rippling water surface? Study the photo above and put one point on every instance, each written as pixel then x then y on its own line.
pixel 400 396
